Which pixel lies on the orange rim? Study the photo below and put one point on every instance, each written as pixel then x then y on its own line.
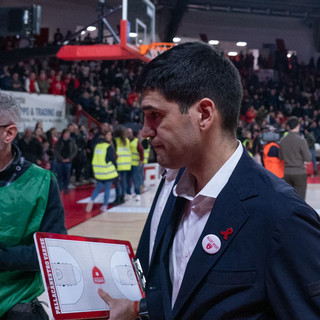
pixel 158 46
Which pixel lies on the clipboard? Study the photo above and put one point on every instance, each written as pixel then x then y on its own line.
pixel 74 267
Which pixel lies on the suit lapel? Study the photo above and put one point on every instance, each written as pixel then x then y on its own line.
pixel 165 217
pixel 164 254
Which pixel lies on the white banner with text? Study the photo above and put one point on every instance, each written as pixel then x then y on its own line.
pixel 50 109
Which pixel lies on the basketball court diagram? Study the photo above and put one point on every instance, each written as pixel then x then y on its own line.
pixel 79 268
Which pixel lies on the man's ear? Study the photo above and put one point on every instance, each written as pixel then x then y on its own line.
pixel 208 113
pixel 10 133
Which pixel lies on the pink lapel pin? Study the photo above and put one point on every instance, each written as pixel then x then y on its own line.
pixel 226 233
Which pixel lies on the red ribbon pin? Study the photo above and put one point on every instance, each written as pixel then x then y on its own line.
pixel 226 233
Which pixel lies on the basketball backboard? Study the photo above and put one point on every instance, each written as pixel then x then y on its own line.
pixel 140 15
pixel 137 27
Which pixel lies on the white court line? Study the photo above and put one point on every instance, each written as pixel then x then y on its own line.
pixel 99 198
pixel 129 209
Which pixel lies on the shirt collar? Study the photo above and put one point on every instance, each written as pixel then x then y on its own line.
pixel 169 174
pixel 185 187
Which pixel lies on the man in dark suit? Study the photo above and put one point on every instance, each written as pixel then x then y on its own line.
pixel 234 241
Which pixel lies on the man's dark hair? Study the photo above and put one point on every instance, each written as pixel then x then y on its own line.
pixel 292 122
pixel 190 72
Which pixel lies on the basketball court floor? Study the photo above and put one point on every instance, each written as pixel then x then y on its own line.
pixel 126 221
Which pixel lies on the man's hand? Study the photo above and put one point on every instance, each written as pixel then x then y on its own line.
pixel 120 309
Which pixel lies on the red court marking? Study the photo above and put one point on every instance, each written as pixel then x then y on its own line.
pixel 75 213
pixel 312 180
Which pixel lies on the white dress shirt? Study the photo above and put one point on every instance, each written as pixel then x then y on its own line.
pixel 170 176
pixel 195 216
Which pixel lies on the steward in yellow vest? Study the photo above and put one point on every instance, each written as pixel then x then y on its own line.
pixel 123 150
pixel 146 150
pixel 124 154
pixel 102 165
pixel 135 159
pixel 136 164
pixel 104 170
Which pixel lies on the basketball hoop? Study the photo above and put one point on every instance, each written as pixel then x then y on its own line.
pixel 154 49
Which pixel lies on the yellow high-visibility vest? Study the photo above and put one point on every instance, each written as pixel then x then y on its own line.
pixel 146 153
pixel 124 155
pixel 135 160
pixel 101 169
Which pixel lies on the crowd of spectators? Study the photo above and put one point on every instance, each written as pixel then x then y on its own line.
pixel 105 90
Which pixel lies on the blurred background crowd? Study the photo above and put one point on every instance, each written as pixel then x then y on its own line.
pixel 106 91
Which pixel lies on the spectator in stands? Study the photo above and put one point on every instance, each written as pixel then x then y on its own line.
pixel 65 151
pixel 43 83
pixel 30 147
pixel 5 78
pixel 57 37
pixel 31 84
pixel 19 68
pixel 52 137
pixel 122 111
pixel 15 83
pixel 84 101
pixel 106 112
pixel 57 86
pixel 251 115
pixel 72 84
pixel 52 77
pixel 95 107
pixel 39 135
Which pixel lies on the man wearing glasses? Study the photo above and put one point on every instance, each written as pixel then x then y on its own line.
pixel 29 202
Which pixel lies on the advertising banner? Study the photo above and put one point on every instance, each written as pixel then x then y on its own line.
pixel 50 109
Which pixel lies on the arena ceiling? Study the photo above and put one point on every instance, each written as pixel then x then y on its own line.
pixel 295 8
pixel 308 10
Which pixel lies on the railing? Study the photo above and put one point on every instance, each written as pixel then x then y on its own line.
pixel 89 119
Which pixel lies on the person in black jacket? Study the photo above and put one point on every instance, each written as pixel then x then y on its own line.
pixel 65 151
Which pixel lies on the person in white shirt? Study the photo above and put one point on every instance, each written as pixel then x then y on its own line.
pixel 231 241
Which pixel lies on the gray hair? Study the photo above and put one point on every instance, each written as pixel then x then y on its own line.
pixel 9 109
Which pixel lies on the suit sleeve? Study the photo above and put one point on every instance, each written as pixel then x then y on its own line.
pixel 293 269
pixel 25 257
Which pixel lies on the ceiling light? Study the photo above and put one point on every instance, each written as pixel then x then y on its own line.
pixel 91 28
pixel 232 53
pixel 214 42
pixel 241 44
pixel 176 39
pixel 133 34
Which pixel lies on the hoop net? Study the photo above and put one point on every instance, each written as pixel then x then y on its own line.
pixel 154 49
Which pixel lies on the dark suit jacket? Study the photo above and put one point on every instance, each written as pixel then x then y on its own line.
pixel 268 268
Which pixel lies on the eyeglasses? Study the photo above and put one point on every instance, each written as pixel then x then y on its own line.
pixel 5 125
